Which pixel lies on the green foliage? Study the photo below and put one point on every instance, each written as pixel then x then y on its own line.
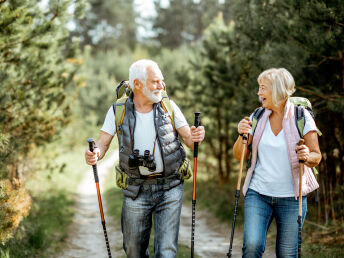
pixel 170 63
pixel 307 38
pixel 37 67
pixel 49 217
pixel 183 21
pixel 42 233
pixel 108 24
pixel 269 34
pixel 35 73
pixel 211 83
pixel 102 72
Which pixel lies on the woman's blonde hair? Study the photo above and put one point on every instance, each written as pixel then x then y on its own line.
pixel 282 83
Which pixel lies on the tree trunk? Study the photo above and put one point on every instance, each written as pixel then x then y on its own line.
pixel 227 148
pixel 332 204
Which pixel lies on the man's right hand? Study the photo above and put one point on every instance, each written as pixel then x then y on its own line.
pixel 92 157
pixel 244 126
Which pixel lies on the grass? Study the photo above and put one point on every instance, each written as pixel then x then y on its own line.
pixel 114 198
pixel 43 232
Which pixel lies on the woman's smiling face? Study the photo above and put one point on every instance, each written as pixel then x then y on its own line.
pixel 265 93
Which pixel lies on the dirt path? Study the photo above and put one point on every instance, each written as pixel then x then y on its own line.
pixel 211 236
pixel 86 238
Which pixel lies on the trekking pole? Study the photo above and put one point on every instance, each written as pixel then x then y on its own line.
pixel 96 179
pixel 197 121
pixel 237 193
pixel 299 219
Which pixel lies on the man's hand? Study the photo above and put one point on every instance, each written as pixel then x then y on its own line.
pixel 190 135
pixel 91 158
pixel 197 133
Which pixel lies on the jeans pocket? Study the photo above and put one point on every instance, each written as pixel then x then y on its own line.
pixel 250 192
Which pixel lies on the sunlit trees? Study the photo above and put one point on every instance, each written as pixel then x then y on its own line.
pixel 36 69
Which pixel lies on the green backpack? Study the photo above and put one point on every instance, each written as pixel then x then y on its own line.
pixel 300 104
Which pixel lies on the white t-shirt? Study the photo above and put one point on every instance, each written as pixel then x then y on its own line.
pixel 272 174
pixel 145 133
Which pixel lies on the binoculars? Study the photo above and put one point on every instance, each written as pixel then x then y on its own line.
pixel 147 160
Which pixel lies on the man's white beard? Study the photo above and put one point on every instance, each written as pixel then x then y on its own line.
pixel 150 94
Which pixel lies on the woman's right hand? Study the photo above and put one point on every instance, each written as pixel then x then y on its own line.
pixel 244 126
pixel 92 157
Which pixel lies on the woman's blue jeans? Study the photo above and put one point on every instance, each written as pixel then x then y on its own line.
pixel 162 206
pixel 259 213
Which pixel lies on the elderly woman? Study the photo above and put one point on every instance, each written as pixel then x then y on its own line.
pixel 271 184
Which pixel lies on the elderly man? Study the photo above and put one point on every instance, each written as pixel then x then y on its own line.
pixel 153 191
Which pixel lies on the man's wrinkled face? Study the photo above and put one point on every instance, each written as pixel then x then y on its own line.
pixel 154 84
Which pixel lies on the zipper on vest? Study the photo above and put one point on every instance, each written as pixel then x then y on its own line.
pixel 156 129
pixel 133 132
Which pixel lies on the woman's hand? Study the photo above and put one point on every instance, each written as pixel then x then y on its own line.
pixel 244 126
pixel 302 152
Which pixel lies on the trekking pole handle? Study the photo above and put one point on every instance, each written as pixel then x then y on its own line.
pixel 197 123
pixel 301 142
pixel 91 144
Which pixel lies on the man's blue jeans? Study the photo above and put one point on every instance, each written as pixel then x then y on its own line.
pixel 162 206
pixel 259 213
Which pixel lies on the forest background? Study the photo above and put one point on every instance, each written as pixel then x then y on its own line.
pixel 60 62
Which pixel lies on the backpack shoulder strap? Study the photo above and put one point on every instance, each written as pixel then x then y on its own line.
pixel 167 106
pixel 300 119
pixel 257 114
pixel 119 111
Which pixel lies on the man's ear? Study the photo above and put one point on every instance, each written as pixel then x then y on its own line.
pixel 138 84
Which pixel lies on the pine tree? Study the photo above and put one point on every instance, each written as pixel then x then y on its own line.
pixel 210 86
pixel 36 68
pixel 307 38
pixel 108 24
pixel 183 21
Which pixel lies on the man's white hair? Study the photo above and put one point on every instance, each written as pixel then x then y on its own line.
pixel 282 83
pixel 138 70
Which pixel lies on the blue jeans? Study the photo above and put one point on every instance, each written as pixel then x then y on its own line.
pixel 259 213
pixel 162 206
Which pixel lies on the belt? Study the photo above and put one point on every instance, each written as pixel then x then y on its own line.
pixel 152 176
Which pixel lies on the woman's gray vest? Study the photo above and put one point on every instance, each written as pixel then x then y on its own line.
pixel 172 151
